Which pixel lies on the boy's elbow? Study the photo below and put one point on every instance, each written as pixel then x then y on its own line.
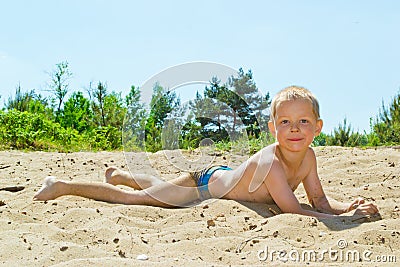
pixel 319 203
pixel 293 210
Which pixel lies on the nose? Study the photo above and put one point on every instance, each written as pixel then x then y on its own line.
pixel 294 127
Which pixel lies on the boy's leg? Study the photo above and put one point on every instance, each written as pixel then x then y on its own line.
pixel 116 176
pixel 179 191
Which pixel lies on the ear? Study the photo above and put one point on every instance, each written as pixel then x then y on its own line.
pixel 271 128
pixel 318 127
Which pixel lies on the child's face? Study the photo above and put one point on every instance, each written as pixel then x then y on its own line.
pixel 295 124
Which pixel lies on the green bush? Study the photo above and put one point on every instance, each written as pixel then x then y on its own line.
pixel 103 138
pixel 320 140
pixel 248 145
pixel 386 126
pixel 24 130
pixel 345 136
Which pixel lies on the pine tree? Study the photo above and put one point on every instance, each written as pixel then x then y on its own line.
pixel 387 124
pixel 162 103
pixel 133 138
pixel 247 101
pixel 97 96
pixel 59 84
pixel 77 113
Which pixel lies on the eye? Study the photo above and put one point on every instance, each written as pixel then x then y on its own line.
pixel 284 121
pixel 303 121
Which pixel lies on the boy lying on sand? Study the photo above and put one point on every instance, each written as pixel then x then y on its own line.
pixel 269 176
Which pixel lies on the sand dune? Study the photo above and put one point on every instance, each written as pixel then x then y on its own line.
pixel 73 231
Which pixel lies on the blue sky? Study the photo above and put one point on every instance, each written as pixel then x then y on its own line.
pixel 345 51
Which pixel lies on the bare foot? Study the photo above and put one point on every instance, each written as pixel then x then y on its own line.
pixel 115 176
pixel 48 190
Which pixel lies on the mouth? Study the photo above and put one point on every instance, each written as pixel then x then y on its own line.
pixel 295 139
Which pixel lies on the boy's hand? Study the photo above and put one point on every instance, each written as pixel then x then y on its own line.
pixel 355 204
pixel 362 208
pixel 366 209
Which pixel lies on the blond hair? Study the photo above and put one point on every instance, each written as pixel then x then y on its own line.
pixel 294 93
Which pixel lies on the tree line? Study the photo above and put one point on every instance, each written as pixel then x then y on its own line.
pixel 228 115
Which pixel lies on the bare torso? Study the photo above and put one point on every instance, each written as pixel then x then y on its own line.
pixel 246 183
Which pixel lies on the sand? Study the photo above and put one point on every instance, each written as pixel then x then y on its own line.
pixel 72 231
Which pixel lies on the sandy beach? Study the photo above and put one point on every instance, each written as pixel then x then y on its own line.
pixel 72 231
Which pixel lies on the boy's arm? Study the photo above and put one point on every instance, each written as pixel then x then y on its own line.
pixel 283 195
pixel 322 203
pixel 316 194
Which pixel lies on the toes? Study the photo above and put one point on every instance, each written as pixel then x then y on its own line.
pixel 49 180
pixel 109 171
pixel 47 184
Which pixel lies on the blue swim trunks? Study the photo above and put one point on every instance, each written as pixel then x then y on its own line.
pixel 203 177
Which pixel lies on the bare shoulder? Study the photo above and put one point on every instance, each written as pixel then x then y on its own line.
pixel 270 158
pixel 310 158
pixel 268 153
pixel 310 164
pixel 259 165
